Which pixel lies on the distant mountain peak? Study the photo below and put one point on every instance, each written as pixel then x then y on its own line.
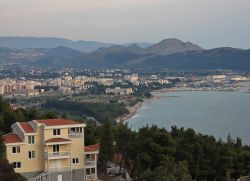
pixel 172 45
pixel 170 40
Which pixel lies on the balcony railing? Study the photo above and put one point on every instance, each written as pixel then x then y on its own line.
pixel 89 162
pixel 59 169
pixel 57 154
pixel 91 177
pixel 75 135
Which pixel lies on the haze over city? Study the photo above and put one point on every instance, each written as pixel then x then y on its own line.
pixel 207 23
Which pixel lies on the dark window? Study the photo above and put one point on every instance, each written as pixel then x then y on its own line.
pixel 56 148
pixel 17 164
pixel 16 149
pixel 31 154
pixel 31 139
pixel 88 171
pixel 75 160
pixel 56 132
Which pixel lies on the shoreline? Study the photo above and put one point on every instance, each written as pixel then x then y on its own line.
pixel 134 109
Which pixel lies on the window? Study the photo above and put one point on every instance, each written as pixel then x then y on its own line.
pixel 56 132
pixel 16 149
pixel 56 148
pixel 88 172
pixel 31 139
pixel 17 164
pixel 75 160
pixel 32 154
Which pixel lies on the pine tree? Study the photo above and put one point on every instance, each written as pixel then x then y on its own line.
pixel 106 144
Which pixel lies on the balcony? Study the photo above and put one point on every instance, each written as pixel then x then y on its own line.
pixel 89 162
pixel 75 135
pixel 91 177
pixel 57 155
pixel 59 169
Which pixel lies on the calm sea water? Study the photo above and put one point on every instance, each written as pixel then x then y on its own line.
pixel 213 113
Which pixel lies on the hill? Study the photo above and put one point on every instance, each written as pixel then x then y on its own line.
pixel 170 46
pixel 169 53
pixel 46 42
pixel 219 58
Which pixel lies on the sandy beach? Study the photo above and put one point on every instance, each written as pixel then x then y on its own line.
pixel 133 109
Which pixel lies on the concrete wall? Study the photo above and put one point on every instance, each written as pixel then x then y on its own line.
pixel 77 175
pixel 48 134
pixel 77 151
pixel 30 175
pixel 31 165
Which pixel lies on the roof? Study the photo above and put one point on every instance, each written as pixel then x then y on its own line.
pixel 57 122
pixel 11 138
pixel 92 148
pixel 53 140
pixel 26 127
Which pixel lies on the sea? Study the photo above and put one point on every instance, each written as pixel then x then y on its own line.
pixel 216 113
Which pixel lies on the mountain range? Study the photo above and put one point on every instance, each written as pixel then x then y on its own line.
pixel 169 53
pixel 46 42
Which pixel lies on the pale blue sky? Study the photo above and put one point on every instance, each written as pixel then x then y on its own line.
pixel 209 23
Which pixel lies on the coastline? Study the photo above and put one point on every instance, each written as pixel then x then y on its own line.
pixel 134 109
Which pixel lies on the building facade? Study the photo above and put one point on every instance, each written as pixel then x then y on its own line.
pixel 49 150
pixel 91 157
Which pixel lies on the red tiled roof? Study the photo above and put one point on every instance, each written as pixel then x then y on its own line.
pixel 11 138
pixel 91 148
pixel 53 140
pixel 57 122
pixel 26 127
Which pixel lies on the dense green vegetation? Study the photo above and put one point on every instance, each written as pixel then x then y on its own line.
pixel 151 153
pixel 154 153
pixel 100 111
pixel 106 140
pixel 8 116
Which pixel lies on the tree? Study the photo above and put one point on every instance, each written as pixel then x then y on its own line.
pixel 9 118
pixel 181 173
pixel 106 144
pixel 2 147
pixel 90 133
pixel 64 115
pixel 7 172
pixel 123 140
pixel 238 143
pixel 49 115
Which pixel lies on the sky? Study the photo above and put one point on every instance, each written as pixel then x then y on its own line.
pixel 209 23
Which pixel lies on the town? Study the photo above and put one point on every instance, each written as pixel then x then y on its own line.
pixel 65 83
